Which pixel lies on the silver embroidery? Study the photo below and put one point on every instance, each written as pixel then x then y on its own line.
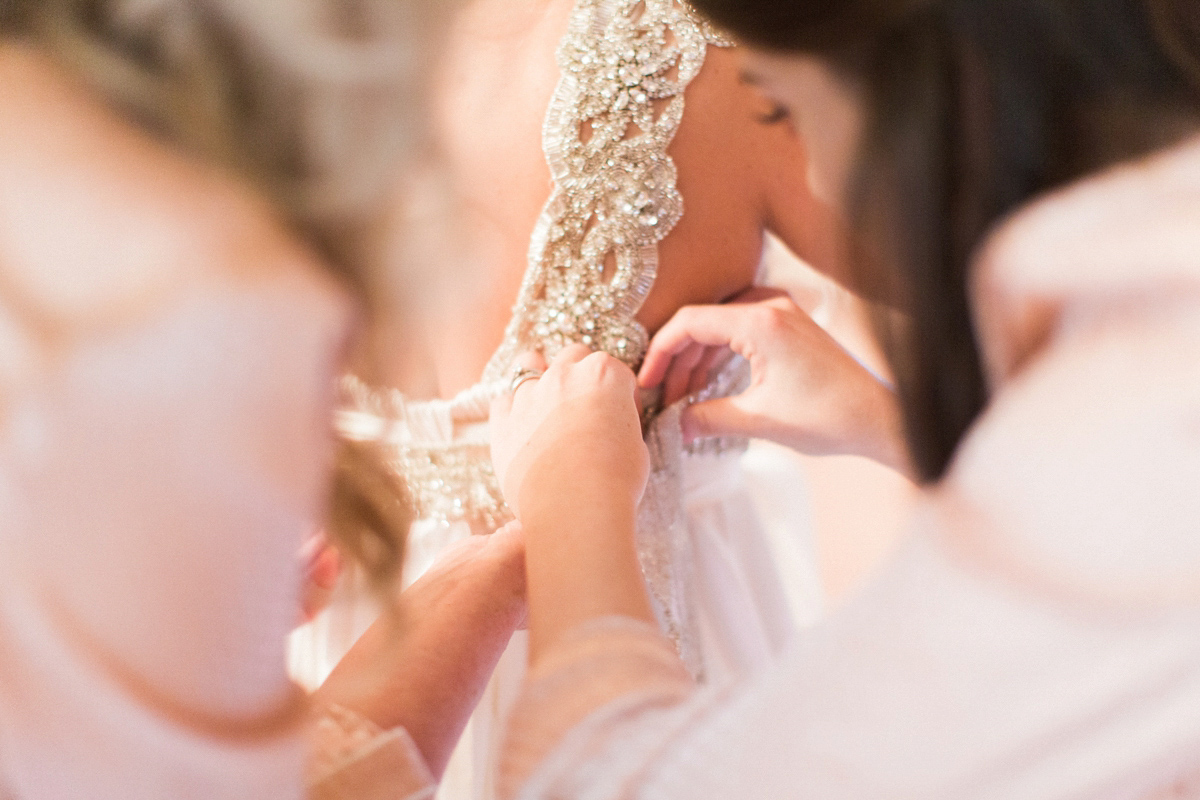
pixel 594 254
pixel 593 257
pixel 449 476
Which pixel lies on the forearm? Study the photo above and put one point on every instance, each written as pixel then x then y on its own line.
pixel 594 642
pixel 581 564
pixel 416 679
pixel 570 455
pixel 882 437
pixel 424 666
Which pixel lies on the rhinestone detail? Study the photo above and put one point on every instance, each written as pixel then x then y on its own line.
pixel 593 258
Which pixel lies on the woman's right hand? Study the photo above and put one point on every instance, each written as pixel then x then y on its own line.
pixel 569 454
pixel 806 391
pixel 424 666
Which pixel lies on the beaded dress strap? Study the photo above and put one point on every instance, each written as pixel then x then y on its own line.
pixel 593 257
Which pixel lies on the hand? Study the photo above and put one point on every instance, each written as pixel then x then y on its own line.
pixel 425 665
pixel 574 432
pixel 568 451
pixel 806 391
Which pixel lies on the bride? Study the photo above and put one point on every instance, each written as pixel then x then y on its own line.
pixel 604 164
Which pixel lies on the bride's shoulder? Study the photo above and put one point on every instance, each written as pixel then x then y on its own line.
pixel 101 222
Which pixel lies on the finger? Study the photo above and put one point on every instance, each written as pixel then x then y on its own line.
pixel 510 535
pixel 679 376
pixel 572 354
pixel 715 359
pixel 533 365
pixel 806 303
pixel 721 417
pixel 531 359
pixel 711 326
pixel 671 340
pixel 600 371
pixel 808 295
pixel 501 409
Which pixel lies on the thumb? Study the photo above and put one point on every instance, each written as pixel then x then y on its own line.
pixel 721 417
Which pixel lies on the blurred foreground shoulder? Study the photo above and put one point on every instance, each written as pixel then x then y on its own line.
pixel 1086 462
pixel 102 224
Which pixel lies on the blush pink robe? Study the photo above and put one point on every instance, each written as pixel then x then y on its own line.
pixel 1038 635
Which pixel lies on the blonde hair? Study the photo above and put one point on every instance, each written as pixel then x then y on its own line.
pixel 316 102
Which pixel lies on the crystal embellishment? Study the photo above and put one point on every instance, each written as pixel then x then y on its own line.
pixel 593 258
pixel 594 254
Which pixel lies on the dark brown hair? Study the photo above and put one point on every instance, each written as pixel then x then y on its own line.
pixel 975 107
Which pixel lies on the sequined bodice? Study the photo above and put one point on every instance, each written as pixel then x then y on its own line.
pixel 593 256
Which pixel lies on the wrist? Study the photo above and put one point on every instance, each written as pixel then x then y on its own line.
pixel 587 507
pixel 582 564
pixel 560 483
pixel 881 432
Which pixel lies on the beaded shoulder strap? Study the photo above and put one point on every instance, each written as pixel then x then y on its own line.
pixel 593 257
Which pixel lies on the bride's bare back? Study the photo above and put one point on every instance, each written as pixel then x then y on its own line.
pixel 735 169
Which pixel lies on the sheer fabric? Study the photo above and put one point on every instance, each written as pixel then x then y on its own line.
pixel 353 759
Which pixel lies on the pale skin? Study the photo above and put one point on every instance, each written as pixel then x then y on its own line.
pixel 806 391
pixel 740 176
pixel 572 464
pixel 577 501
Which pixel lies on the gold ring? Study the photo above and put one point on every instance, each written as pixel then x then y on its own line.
pixel 520 378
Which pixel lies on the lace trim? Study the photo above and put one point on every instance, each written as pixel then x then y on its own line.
pixel 338 737
pixel 353 757
pixel 448 479
pixel 593 257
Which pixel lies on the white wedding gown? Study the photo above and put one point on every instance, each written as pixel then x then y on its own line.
pixel 705 550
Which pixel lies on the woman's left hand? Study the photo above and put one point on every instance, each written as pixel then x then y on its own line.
pixel 573 432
